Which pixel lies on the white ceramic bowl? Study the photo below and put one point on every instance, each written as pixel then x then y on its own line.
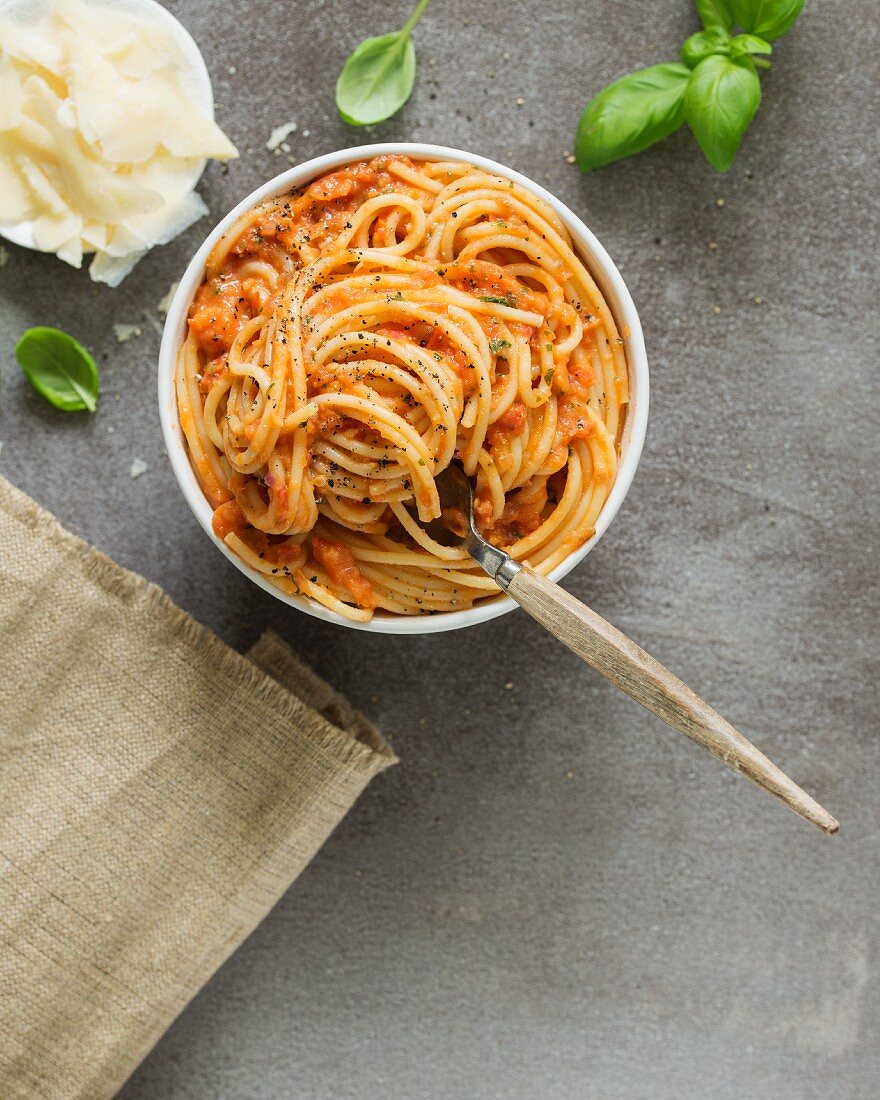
pixel 601 267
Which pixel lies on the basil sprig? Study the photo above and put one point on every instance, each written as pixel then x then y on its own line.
pixel 59 368
pixel 721 99
pixel 715 88
pixel 378 76
pixel 631 114
pixel 766 18
pixel 715 13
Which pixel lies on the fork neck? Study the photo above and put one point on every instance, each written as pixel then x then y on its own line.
pixel 501 567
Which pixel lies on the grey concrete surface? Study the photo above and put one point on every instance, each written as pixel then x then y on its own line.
pixel 552 896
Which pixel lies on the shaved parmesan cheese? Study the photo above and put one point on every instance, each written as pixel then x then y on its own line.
pixel 111 270
pixel 30 46
pixel 125 332
pixel 10 95
pixel 279 134
pixel 137 468
pixel 16 199
pixel 71 251
pixel 165 304
pixel 153 322
pixel 54 231
pixel 101 134
pixel 136 46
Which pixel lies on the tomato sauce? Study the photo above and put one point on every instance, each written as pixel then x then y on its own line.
pixel 342 569
pixel 218 311
pixel 228 518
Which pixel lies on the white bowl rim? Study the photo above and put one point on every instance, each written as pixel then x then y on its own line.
pixel 601 267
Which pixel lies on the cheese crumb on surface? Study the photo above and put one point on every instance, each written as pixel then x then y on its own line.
pixel 125 332
pixel 279 134
pixel 138 467
pixel 101 135
pixel 164 304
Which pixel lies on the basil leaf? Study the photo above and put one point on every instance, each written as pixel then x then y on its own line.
pixel 59 368
pixel 749 44
pixel 376 80
pixel 715 13
pixel 704 44
pixel 631 114
pixel 721 99
pixel 378 76
pixel 767 18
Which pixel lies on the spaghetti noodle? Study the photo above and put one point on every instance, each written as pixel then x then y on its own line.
pixel 351 339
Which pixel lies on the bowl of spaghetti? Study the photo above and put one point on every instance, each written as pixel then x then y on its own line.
pixel 364 319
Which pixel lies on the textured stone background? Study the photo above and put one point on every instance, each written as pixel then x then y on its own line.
pixel 553 896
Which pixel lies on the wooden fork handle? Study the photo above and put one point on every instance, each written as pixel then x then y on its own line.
pixel 649 683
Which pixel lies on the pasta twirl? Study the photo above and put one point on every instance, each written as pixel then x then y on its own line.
pixel 350 340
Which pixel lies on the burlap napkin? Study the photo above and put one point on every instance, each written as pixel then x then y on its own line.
pixel 158 793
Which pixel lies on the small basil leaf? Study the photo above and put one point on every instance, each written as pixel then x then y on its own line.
pixel 715 13
pixel 59 368
pixel 749 44
pixel 631 114
pixel 767 18
pixel 376 79
pixel 507 300
pixel 703 44
pixel 721 99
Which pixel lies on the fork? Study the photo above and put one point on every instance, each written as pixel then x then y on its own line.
pixel 612 653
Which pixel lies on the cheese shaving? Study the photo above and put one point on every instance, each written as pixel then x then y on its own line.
pixel 101 137
pixel 125 332
pixel 164 304
pixel 279 134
